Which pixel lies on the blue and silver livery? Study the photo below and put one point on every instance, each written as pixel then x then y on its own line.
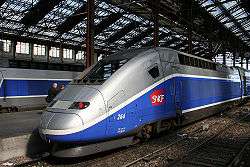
pixel 140 92
pixel 27 88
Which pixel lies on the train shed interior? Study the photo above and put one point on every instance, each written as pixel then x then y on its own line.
pixel 62 38
pixel 72 34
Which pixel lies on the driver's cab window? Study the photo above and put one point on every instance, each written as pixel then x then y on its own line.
pixel 154 72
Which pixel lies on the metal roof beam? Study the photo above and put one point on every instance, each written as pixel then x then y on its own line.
pixel 78 16
pixel 122 32
pixel 171 41
pixel 2 2
pixel 245 4
pixel 161 36
pixel 105 23
pixel 202 52
pixel 228 14
pixel 38 12
pixel 178 46
pixel 139 37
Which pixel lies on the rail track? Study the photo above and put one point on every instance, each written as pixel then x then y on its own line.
pixel 215 151
pixel 160 151
pixel 207 151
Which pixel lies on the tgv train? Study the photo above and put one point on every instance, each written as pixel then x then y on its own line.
pixel 27 88
pixel 140 92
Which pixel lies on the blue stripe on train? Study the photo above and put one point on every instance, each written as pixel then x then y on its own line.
pixel 193 92
pixel 28 87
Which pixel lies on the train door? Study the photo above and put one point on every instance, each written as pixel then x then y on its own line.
pixel 178 108
pixel 168 59
pixel 153 106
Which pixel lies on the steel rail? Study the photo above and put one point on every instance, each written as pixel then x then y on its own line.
pixel 173 143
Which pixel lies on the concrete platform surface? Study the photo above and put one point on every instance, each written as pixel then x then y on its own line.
pixel 19 136
pixel 18 123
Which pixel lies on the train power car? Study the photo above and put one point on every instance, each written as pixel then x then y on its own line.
pixel 27 88
pixel 138 92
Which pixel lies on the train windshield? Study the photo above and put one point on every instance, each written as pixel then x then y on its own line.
pixel 102 71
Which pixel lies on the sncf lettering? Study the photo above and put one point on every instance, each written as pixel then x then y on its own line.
pixel 157 97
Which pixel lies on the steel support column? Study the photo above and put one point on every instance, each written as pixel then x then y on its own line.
pixel 31 51
pixel 90 33
pixel 247 59
pixel 74 55
pixel 61 54
pixel 189 40
pixel 156 24
pixel 190 27
pixel 241 61
pixel 210 47
pixel 13 49
pixel 47 49
pixel 234 58
pixel 224 58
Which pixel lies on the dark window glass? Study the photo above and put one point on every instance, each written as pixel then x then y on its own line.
pixel 154 72
pixel 203 64
pixel 181 58
pixel 213 66
pixel 102 71
pixel 195 62
pixel 191 61
pixel 188 61
pixel 207 65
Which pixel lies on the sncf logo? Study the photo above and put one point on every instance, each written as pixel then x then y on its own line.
pixel 157 97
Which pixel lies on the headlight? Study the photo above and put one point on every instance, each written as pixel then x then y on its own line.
pixel 79 105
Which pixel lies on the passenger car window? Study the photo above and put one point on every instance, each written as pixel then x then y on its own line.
pixel 154 72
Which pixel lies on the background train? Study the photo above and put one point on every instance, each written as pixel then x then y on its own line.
pixel 140 92
pixel 27 88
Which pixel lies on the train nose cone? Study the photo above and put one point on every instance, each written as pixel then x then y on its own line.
pixel 60 123
pixel 45 118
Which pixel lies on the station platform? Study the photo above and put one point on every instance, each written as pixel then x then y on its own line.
pixel 18 123
pixel 18 135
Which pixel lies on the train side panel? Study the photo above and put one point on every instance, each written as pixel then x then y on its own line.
pixel 22 88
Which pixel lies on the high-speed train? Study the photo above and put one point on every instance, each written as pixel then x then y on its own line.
pixel 140 92
pixel 27 88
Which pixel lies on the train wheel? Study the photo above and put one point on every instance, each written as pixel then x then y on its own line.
pixel 174 124
pixel 147 132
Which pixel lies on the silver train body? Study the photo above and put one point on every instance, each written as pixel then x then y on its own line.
pixel 127 91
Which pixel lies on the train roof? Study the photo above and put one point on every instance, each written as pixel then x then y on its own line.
pixel 190 55
pixel 131 53
pixel 127 54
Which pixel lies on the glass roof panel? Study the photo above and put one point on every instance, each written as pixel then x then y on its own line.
pixel 12 11
pixel 232 13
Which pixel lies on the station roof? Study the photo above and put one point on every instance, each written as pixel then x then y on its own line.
pixel 119 24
